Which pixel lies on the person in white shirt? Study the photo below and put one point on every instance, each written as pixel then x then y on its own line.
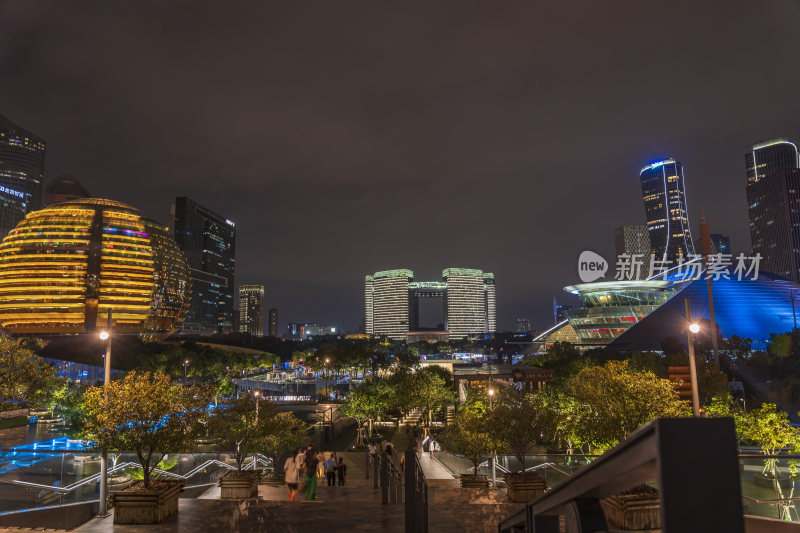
pixel 291 474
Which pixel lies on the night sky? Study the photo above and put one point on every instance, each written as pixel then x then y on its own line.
pixel 345 138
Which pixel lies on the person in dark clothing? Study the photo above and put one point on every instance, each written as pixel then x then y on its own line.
pixel 330 469
pixel 310 472
pixel 341 470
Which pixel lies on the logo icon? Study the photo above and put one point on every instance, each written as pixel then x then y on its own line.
pixel 591 266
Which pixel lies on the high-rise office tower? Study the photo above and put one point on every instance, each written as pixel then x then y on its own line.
pixel 767 157
pixel 386 303
pixel 773 206
pixel 209 242
pixel 273 322
pixel 467 303
pixel 720 244
pixel 664 195
pixel 251 310
pixel 21 173
pixel 490 296
pixel 64 188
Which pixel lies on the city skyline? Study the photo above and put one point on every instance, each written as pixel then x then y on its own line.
pixel 301 181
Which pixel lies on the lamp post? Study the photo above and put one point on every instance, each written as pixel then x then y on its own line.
pixel 492 460
pixel 327 376
pixel 256 394
pixel 185 366
pixel 105 336
pixel 694 328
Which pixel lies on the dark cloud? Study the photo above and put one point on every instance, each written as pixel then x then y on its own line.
pixel 348 137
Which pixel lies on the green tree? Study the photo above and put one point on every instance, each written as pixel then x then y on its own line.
pixel 770 430
pixel 24 377
pixel 144 413
pixel 471 435
pixel 515 421
pixel 366 405
pixel 619 400
pixel 285 432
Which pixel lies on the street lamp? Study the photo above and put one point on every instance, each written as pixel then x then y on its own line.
pixel 105 336
pixel 492 459
pixel 185 365
pixel 256 394
pixel 694 328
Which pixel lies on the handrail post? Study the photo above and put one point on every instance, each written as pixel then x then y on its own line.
pixel 411 483
pixel 366 465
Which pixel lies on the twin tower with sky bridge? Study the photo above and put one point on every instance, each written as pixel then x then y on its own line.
pixel 391 303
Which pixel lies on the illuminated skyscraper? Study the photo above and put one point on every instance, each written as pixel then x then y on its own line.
pixel 391 302
pixel 766 157
pixel 664 195
pixel 21 173
pixel 634 241
pixel 251 310
pixel 386 302
pixel 209 242
pixel 468 297
pixel 773 206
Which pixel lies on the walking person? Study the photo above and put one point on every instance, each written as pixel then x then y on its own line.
pixel 330 469
pixel 341 470
pixel 310 473
pixel 434 447
pixel 291 475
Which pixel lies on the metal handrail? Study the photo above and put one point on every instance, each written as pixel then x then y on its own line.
pixel 684 455
pixel 416 511
pixel 95 477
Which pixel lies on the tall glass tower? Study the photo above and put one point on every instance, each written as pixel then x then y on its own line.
pixel 21 173
pixel 773 206
pixel 251 310
pixel 664 196
pixel 209 242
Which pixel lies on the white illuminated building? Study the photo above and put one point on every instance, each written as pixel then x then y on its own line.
pixel 391 302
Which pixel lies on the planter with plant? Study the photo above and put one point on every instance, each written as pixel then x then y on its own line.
pixel 151 416
pixel 471 435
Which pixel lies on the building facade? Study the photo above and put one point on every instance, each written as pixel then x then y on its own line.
pixel 664 195
pixel 64 188
pixel 273 322
pixel 773 206
pixel 64 267
pixel 391 302
pixel 21 173
pixel 251 310
pixel 209 242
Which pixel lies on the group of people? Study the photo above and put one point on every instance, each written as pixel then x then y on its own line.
pixel 304 467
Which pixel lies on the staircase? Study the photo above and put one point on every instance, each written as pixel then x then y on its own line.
pixel 450 415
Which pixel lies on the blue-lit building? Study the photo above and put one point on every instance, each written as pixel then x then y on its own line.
pixel 664 196
pixel 752 309
pixel 209 242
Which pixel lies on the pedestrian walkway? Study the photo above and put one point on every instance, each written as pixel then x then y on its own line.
pixel 433 469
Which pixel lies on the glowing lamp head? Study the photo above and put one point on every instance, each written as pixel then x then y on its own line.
pixel 104 335
pixel 186 362
pixel 694 328
pixel 257 394
pixel 327 360
pixel 491 392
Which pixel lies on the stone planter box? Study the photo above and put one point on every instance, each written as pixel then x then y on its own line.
pixel 524 489
pixel 239 485
pixel 146 506
pixel 638 510
pixel 469 481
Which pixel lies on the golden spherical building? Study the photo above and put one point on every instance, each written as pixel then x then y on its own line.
pixel 65 266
